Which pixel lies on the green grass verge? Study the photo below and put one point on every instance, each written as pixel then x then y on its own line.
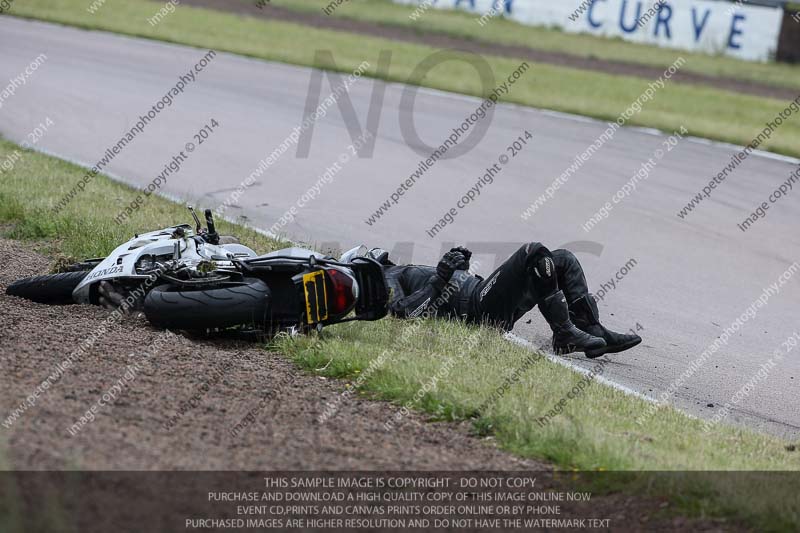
pixel 85 227
pixel 595 431
pixel 503 31
pixel 710 113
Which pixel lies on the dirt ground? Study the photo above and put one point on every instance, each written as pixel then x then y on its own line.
pixel 153 425
pixel 414 35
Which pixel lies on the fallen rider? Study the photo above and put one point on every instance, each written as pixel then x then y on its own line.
pixel 532 276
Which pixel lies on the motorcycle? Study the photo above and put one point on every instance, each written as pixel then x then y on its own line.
pixel 190 280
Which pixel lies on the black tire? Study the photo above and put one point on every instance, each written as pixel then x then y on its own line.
pixel 228 305
pixel 49 289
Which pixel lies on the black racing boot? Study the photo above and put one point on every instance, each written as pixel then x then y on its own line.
pixel 566 337
pixel 584 314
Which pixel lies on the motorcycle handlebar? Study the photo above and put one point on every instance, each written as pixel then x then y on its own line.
pixel 210 221
pixel 212 235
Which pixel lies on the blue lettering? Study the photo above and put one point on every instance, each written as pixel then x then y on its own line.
pixel 632 28
pixel 471 3
pixel 592 22
pixel 735 31
pixel 661 19
pixel 699 29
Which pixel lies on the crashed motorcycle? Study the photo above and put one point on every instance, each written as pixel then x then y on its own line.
pixel 194 280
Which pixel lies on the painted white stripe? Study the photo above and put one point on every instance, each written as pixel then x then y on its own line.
pixel 735 148
pixel 648 131
pixel 566 116
pixel 590 120
pixel 168 196
pixel 572 366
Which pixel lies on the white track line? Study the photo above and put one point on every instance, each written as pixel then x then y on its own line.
pixel 591 120
pixel 577 368
pixel 168 196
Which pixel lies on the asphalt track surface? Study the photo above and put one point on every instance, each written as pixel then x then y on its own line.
pixel 692 277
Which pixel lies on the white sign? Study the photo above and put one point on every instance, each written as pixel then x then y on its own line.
pixel 714 27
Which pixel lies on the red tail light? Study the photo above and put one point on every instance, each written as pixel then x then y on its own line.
pixel 342 296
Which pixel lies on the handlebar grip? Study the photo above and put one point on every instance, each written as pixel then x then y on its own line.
pixel 210 221
pixel 211 236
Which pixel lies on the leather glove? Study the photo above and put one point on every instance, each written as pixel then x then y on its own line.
pixel 467 256
pixel 451 262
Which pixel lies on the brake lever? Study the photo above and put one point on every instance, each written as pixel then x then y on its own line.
pixel 199 227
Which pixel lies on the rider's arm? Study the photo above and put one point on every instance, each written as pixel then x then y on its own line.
pixel 416 303
pixel 430 296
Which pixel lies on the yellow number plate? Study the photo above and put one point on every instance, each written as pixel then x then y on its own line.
pixel 316 296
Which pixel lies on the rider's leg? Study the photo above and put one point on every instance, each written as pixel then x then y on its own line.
pixel 526 279
pixel 583 307
pixel 507 294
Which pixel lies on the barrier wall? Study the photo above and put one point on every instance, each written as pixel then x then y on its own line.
pixel 789 43
pixel 744 31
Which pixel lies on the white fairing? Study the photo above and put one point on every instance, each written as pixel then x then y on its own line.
pixel 299 253
pixel 358 251
pixel 121 262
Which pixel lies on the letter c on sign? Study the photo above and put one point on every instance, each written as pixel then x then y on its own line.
pixel 592 22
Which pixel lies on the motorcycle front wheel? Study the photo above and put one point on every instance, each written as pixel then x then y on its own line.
pixel 225 305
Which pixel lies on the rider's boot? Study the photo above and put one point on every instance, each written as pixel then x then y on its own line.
pixel 567 337
pixel 585 315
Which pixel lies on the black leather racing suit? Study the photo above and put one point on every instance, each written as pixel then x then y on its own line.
pixel 499 300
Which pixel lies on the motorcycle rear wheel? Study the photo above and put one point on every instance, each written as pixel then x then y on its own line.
pixel 226 305
pixel 48 289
